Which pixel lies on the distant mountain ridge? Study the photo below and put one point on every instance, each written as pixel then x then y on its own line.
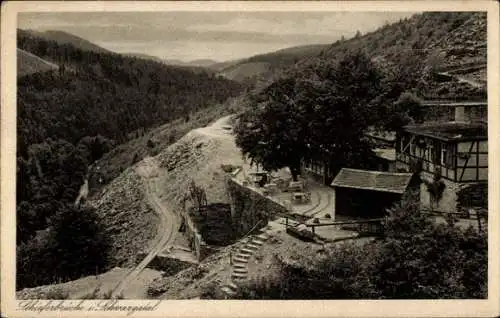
pixel 144 56
pixel 262 66
pixel 197 63
pixel 62 37
pixel 459 38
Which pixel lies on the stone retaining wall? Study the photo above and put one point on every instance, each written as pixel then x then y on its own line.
pixel 249 206
pixel 168 265
pixel 196 241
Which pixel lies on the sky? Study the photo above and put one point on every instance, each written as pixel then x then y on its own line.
pixel 218 36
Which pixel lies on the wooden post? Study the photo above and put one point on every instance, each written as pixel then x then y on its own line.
pixel 479 225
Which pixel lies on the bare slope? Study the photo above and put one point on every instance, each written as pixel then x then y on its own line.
pixel 262 66
pixel 28 63
pixel 199 156
pixel 128 218
pixel 240 72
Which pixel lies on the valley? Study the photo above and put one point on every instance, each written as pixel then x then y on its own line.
pixel 140 177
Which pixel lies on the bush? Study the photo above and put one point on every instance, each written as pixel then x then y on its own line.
pixel 73 246
pixel 150 143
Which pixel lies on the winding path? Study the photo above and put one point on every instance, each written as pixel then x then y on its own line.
pixel 148 170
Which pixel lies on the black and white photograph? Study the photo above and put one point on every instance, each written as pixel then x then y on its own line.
pixel 250 155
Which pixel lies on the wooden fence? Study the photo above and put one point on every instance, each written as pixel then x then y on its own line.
pixel 472 214
pixel 369 226
pixel 366 227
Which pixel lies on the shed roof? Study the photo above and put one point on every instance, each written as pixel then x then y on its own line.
pixel 372 180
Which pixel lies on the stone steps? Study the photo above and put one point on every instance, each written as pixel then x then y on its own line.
pixel 257 242
pixel 239 275
pixel 243 256
pixel 253 246
pixel 240 262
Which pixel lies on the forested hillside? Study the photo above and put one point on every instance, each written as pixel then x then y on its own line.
pixel 108 94
pixel 70 117
pixel 427 40
pixel 62 37
pixel 419 47
pixel 459 37
pixel 263 66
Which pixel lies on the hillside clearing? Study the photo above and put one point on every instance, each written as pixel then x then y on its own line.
pixel 30 63
pixel 127 218
pixel 199 156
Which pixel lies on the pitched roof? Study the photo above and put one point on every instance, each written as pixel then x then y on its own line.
pixel 450 131
pixel 452 103
pixel 372 180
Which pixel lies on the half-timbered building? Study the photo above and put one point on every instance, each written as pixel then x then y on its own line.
pixel 457 152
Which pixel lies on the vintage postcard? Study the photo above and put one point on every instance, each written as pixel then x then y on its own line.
pixel 250 159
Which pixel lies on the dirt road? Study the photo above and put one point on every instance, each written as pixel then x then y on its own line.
pixel 148 170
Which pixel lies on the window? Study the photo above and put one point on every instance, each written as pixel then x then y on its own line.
pixel 443 156
pixel 403 141
pixel 450 156
pixel 436 154
pixel 450 114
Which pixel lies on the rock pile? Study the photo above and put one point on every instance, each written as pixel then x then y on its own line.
pixel 128 219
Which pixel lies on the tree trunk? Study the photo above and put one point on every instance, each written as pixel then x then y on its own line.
pixel 295 173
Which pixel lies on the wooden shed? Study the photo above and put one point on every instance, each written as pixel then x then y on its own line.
pixel 366 193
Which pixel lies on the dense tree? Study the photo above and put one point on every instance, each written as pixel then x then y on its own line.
pixel 94 147
pixel 321 113
pixel 74 244
pixel 49 177
pixel 406 110
pixel 272 133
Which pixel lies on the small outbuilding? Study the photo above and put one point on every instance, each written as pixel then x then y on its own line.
pixel 367 194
